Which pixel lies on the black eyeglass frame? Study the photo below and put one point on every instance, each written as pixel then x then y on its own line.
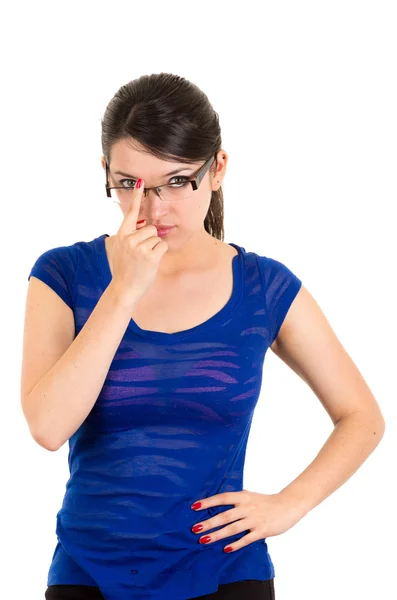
pixel 195 181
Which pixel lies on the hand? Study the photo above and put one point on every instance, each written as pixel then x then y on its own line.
pixel 137 251
pixel 263 514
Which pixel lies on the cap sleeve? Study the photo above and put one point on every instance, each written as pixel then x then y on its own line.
pixel 281 286
pixel 56 268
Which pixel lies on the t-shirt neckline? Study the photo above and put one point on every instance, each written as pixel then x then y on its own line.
pixel 217 319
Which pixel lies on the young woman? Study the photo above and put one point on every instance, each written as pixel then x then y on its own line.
pixel 148 360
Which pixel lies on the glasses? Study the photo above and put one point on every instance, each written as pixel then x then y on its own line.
pixel 168 192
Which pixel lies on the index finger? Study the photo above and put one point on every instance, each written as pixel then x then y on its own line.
pixel 129 222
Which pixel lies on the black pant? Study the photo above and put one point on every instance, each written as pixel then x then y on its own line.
pixel 249 589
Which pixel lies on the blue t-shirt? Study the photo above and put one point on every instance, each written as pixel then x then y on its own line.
pixel 169 427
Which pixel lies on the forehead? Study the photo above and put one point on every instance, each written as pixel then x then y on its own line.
pixel 129 155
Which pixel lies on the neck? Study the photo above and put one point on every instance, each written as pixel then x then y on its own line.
pixel 196 253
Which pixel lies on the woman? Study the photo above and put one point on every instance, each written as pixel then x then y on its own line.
pixel 148 359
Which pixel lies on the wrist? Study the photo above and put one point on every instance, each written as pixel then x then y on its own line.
pixel 122 299
pixel 295 499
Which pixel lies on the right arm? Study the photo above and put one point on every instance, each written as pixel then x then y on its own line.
pixel 62 376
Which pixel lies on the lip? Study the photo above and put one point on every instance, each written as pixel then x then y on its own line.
pixel 164 229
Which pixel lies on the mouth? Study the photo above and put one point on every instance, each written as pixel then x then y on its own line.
pixel 163 230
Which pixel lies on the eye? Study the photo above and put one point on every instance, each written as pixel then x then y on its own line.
pixel 178 183
pixel 173 183
pixel 127 186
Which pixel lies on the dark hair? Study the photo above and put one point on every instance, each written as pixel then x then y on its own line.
pixel 173 120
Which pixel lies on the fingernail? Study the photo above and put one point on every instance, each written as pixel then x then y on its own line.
pixel 142 221
pixel 205 539
pixel 139 183
pixel 196 505
pixel 197 528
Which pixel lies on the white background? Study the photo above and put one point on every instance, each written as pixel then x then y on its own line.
pixel 306 94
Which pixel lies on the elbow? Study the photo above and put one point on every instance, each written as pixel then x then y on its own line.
pixel 45 441
pixel 36 431
pixel 382 429
pixel 377 428
pixel 378 425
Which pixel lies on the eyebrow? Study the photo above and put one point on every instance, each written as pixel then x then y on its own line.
pixel 165 175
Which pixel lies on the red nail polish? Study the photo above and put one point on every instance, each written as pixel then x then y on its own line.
pixel 228 549
pixel 140 221
pixel 196 505
pixel 139 183
pixel 197 528
pixel 205 539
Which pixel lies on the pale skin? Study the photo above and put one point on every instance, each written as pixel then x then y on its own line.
pixel 306 343
pixel 192 246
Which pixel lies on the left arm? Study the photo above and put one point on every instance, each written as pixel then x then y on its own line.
pixel 309 346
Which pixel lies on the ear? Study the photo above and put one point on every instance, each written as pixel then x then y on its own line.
pixel 103 162
pixel 220 171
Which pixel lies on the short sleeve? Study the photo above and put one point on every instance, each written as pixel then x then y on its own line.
pixel 56 268
pixel 281 286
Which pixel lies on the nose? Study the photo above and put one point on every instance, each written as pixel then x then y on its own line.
pixel 153 206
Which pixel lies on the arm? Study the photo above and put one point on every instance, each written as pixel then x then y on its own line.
pixel 62 398
pixel 308 345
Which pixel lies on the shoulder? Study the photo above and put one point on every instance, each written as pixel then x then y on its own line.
pixel 67 255
pixel 58 267
pixel 58 258
pixel 280 285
